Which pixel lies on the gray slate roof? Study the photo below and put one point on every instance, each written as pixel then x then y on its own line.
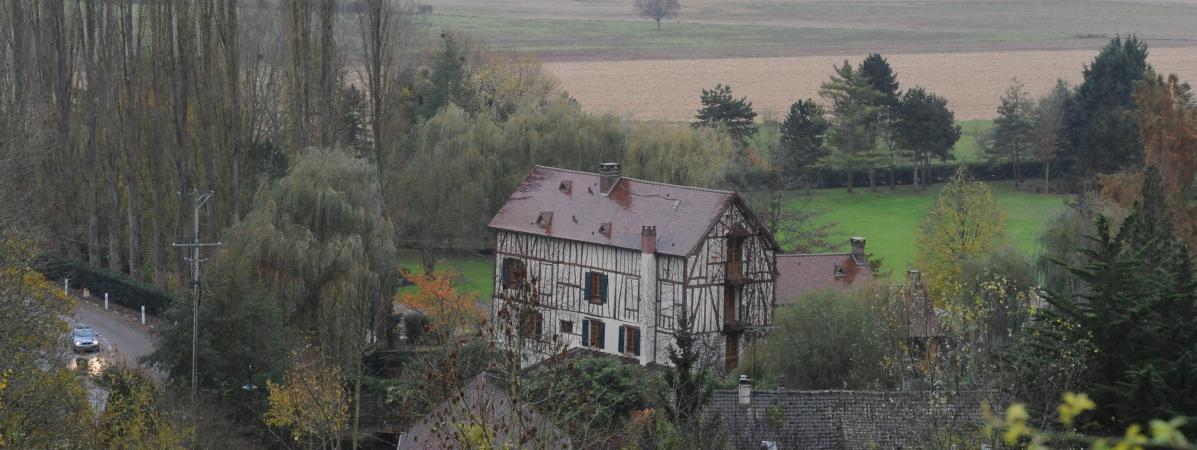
pixel 846 419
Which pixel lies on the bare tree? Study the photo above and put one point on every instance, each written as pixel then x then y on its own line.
pixel 658 9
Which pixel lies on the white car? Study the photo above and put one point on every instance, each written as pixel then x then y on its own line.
pixel 85 339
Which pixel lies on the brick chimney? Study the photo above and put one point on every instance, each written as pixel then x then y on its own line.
pixel 858 254
pixel 648 239
pixel 913 278
pixel 648 293
pixel 609 174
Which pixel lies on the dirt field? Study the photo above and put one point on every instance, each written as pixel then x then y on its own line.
pixel 972 81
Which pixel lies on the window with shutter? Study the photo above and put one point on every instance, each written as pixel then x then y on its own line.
pixel 531 324
pixel 586 332
pixel 601 334
pixel 566 327
pixel 629 340
pixel 596 288
pixel 514 273
pixel 593 333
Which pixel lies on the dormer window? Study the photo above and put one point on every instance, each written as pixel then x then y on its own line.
pixel 840 271
pixel 605 229
pixel 545 220
pixel 566 186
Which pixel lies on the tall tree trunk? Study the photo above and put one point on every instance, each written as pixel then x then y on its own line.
pixel 893 179
pixel 850 187
pixel 133 228
pixel 328 78
pixel 157 244
pixel 872 177
pixel 114 220
pixel 1047 170
pixel 916 174
pixel 1017 170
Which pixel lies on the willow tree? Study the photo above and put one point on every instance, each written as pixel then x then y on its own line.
pixel 317 239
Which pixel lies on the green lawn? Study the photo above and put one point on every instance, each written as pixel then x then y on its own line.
pixel 966 149
pixel 888 219
pixel 475 270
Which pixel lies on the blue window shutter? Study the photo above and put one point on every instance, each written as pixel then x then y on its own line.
pixel 637 344
pixel 621 347
pixel 587 290
pixel 601 329
pixel 585 332
pixel 506 268
pixel 539 325
pixel 603 294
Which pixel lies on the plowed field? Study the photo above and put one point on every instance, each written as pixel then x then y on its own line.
pixel 971 81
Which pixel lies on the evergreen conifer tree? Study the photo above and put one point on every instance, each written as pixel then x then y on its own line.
pixel 720 109
pixel 1102 132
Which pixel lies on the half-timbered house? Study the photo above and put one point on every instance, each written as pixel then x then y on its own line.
pixel 615 260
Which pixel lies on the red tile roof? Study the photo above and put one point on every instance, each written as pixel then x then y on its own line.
pixel 577 208
pixel 797 274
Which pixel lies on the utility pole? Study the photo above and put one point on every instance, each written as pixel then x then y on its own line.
pixel 198 200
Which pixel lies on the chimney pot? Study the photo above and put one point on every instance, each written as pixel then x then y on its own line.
pixel 745 390
pixel 648 239
pixel 609 174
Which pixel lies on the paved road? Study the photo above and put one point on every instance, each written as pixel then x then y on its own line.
pixel 118 337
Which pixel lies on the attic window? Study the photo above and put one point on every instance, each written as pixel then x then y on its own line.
pixel 839 270
pixel 605 229
pixel 545 219
pixel 566 186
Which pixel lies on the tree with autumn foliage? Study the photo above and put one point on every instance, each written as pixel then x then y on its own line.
pixel 965 222
pixel 437 295
pixel 1168 129
pixel 310 403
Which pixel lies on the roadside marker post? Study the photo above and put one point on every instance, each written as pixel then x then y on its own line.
pixel 143 314
pixel 105 300
pixel 66 286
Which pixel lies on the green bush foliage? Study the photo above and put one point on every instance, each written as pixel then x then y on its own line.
pixel 121 289
pixel 829 339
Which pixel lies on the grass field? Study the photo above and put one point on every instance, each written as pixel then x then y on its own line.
pixel 609 29
pixel 554 38
pixel 888 219
pixel 475 270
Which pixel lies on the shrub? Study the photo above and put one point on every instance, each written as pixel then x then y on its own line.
pixel 121 289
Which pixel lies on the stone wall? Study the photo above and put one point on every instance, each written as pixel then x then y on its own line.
pixel 849 419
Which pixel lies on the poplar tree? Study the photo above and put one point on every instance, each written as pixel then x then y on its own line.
pixel 964 222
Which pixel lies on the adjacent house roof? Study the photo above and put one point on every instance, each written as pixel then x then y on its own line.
pixel 569 204
pixel 482 402
pixel 797 274
pixel 847 419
